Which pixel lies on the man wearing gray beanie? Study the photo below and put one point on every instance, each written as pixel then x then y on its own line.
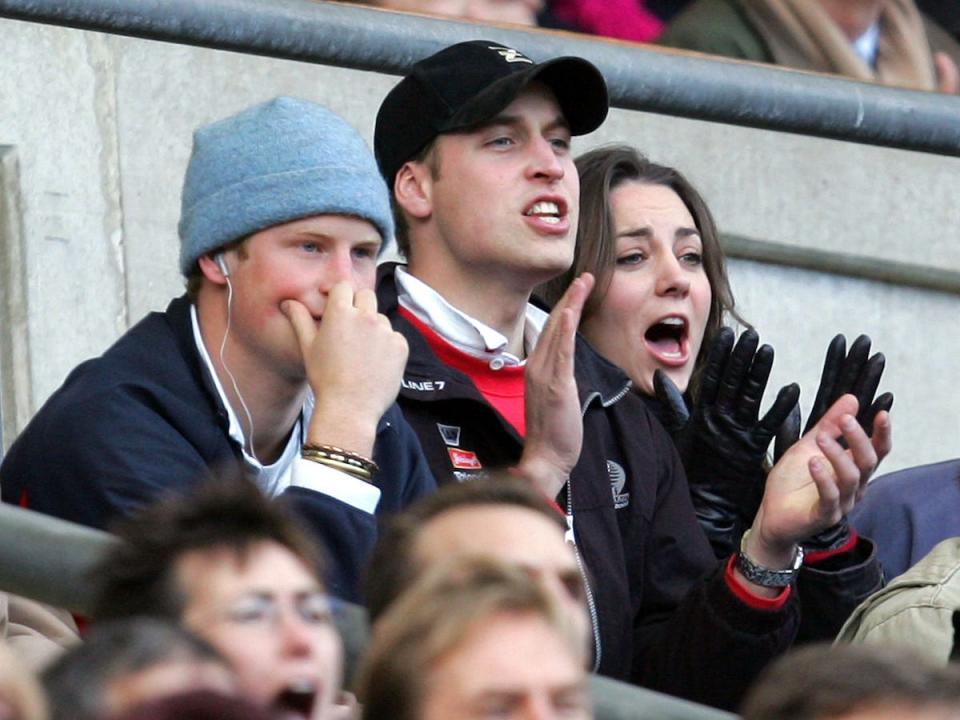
pixel 276 362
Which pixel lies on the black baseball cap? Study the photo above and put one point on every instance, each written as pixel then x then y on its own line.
pixel 470 82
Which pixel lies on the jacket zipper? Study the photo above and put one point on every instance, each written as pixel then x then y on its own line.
pixel 570 537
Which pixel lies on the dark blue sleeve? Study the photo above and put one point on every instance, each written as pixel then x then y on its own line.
pixel 404 473
pixel 92 459
pixel 348 534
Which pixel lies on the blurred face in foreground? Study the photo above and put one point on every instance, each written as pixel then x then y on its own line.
pixel 512 666
pixel 902 711
pixel 512 534
pixel 268 615
pixel 165 679
pixel 21 697
pixel 518 12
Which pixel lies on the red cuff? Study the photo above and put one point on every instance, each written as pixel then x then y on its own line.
pixel 83 624
pixel 747 597
pixel 550 501
pixel 816 556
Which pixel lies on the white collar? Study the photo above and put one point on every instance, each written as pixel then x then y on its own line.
pixel 235 430
pixel 463 332
pixel 866 45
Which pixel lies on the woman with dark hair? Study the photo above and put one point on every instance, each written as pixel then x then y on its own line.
pixel 658 307
pixel 615 182
pixel 657 311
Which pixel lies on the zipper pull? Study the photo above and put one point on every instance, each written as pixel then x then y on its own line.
pixel 568 535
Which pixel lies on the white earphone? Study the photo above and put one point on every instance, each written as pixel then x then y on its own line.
pixel 221 261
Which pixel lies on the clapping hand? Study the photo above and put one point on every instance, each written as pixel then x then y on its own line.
pixel 856 373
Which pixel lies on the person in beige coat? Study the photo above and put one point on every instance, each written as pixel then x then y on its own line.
pixel 919 610
pixel 885 41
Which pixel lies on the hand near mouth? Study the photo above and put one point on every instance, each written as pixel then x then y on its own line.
pixel 723 440
pixel 554 425
pixel 354 362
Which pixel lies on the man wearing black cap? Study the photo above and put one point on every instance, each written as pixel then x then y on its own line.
pixel 475 143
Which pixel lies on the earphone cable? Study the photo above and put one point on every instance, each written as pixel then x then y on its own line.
pixel 233 380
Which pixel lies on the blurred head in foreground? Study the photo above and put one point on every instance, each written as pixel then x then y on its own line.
pixel 475 638
pixel 20 695
pixel 128 662
pixel 501 518
pixel 234 568
pixel 854 682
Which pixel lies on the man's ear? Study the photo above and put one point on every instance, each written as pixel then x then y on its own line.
pixel 412 189
pixel 211 269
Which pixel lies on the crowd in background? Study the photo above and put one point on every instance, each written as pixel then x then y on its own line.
pixel 896 42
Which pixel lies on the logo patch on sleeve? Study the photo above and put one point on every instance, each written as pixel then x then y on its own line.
pixel 464 459
pixel 450 434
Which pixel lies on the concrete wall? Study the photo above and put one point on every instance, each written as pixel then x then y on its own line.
pixel 95 134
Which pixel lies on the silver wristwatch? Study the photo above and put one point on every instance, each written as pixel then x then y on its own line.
pixel 765 577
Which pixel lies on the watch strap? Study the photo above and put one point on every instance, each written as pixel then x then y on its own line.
pixel 764 576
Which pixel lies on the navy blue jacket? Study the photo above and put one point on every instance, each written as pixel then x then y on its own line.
pixel 909 511
pixel 145 419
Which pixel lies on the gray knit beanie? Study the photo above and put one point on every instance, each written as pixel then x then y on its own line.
pixel 275 162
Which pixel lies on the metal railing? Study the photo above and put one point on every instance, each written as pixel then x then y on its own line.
pixel 639 78
pixel 847 265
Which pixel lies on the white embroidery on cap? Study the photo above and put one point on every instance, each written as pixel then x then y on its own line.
pixel 510 55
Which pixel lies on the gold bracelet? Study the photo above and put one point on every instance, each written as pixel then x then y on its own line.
pixel 340 455
pixel 320 455
pixel 351 470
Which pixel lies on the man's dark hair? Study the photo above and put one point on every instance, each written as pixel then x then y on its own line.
pixel 139 576
pixel 77 684
pixel 821 682
pixel 393 564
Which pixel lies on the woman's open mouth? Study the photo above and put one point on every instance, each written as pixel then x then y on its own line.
pixel 667 341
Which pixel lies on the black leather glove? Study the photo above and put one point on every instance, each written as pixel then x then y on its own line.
pixel 857 373
pixel 723 442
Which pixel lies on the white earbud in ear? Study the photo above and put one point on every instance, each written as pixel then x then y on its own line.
pixel 221 261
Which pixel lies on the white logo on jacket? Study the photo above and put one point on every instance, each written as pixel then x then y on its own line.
pixel 425 386
pixel 450 434
pixel 618 479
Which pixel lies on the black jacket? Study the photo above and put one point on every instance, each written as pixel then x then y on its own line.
pixel 145 419
pixel 667 618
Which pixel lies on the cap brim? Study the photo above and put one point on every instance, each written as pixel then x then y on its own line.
pixel 577 84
